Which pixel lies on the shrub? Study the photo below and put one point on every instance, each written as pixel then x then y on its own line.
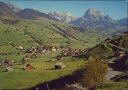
pixel 94 73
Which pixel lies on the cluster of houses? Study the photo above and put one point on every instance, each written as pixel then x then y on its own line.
pixel 37 49
pixel 34 51
pixel 7 64
pixel 74 52
pixel 41 49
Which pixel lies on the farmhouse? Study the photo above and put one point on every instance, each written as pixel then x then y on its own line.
pixel 59 65
pixel 9 69
pixel 28 67
pixel 54 48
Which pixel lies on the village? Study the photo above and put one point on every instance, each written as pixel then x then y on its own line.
pixel 34 52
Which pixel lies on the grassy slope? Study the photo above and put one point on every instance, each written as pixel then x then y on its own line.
pixel 55 33
pixel 43 72
pixel 106 49
pixel 28 33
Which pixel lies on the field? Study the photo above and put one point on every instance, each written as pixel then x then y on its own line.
pixel 30 33
pixel 33 33
pixel 44 71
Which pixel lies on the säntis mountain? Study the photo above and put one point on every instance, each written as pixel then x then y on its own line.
pixel 92 19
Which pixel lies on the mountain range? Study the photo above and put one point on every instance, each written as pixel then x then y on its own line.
pixel 92 19
pixel 43 39
pixel 62 16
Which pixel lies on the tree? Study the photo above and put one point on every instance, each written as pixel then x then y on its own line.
pixel 94 73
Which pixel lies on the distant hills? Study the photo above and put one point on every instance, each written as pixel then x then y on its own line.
pixel 6 11
pixel 32 14
pixel 123 22
pixel 29 27
pixel 92 19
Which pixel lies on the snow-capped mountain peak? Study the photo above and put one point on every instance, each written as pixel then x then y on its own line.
pixel 62 16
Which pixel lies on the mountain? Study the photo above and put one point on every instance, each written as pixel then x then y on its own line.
pixel 123 22
pixel 119 27
pixel 6 11
pixel 93 18
pixel 13 7
pixel 32 14
pixel 62 16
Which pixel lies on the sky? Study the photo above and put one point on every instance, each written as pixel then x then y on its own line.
pixel 115 9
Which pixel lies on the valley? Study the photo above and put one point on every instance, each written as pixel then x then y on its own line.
pixel 16 41
pixel 39 50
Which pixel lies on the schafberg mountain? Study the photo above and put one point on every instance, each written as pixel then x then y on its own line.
pixel 92 19
pixel 62 16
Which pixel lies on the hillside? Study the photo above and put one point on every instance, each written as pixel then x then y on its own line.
pixel 32 33
pixel 32 14
pixel 105 49
pixel 38 47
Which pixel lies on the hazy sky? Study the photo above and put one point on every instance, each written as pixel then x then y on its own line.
pixel 115 9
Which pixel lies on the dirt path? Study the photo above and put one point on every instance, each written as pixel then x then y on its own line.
pixel 111 72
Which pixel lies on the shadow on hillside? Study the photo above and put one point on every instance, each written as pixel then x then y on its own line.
pixel 59 83
pixel 117 65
